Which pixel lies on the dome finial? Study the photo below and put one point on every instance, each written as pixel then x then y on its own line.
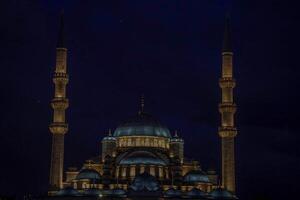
pixel 89 164
pixel 176 133
pixel 109 132
pixel 142 104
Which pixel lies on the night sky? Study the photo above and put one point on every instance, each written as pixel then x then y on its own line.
pixel 170 51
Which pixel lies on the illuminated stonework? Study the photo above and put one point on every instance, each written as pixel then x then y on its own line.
pixel 141 155
pixel 227 109
pixel 125 157
pixel 143 141
pixel 59 104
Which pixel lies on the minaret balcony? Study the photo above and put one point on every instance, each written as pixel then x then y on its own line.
pixel 227 82
pixel 227 132
pixel 60 78
pixel 58 128
pixel 60 103
pixel 227 53
pixel 227 107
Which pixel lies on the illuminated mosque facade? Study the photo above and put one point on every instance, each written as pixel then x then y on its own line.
pixel 141 158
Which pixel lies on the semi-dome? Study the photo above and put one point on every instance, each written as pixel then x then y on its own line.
pixel 221 193
pixel 90 174
pixel 68 191
pixel 196 176
pixel 142 125
pixel 145 182
pixel 142 157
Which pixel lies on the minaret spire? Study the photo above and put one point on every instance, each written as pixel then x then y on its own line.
pixel 227 43
pixel 142 104
pixel 59 103
pixel 227 109
pixel 61 33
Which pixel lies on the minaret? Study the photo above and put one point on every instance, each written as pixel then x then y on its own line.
pixel 59 103
pixel 227 108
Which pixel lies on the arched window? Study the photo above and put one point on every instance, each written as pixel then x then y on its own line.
pixel 160 172
pixel 132 171
pixel 147 143
pixel 152 170
pixel 124 172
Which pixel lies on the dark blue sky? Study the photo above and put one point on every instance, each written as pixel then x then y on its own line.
pixel 168 50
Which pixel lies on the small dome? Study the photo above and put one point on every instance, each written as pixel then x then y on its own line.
pixel 196 176
pixel 142 125
pixel 176 139
pixel 109 138
pixel 93 192
pixel 145 182
pixel 90 174
pixel 172 192
pixel 107 192
pixel 118 192
pixel 142 157
pixel 220 193
pixel 196 193
pixel 68 191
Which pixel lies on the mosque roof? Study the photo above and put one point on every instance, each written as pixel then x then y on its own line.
pixel 118 192
pixel 88 174
pixel 145 182
pixel 68 191
pixel 142 125
pixel 142 157
pixel 196 176
pixel 92 192
pixel 172 192
pixel 221 193
pixel 196 193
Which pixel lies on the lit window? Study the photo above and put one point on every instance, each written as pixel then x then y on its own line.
pixel 160 171
pixel 124 172
pixel 132 171
pixel 152 170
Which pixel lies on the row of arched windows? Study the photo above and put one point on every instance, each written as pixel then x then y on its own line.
pixel 143 141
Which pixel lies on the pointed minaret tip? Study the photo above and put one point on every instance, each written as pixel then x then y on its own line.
pixel 61 35
pixel 142 104
pixel 227 43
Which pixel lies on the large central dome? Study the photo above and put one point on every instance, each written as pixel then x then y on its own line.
pixel 142 125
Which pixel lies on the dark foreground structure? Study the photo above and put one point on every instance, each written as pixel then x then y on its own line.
pixel 141 159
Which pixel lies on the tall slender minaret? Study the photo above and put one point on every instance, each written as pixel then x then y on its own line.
pixel 227 108
pixel 59 103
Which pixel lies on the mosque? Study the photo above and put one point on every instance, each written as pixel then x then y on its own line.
pixel 141 159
